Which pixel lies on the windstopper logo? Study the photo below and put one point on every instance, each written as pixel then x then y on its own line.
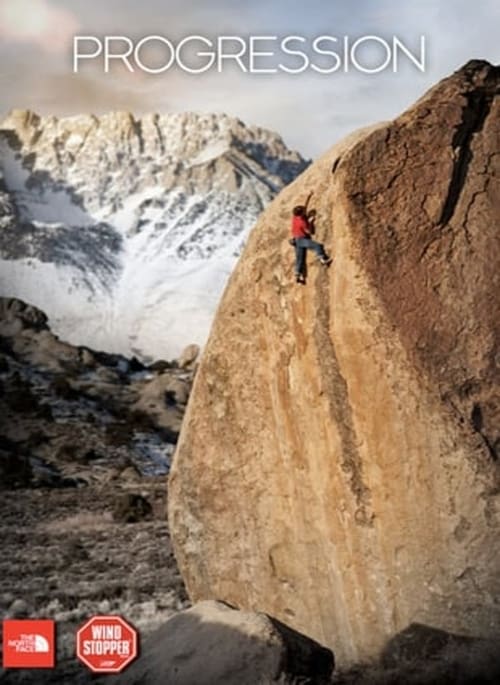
pixel 106 644
pixel 28 644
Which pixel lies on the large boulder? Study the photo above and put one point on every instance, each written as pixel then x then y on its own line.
pixel 214 643
pixel 338 463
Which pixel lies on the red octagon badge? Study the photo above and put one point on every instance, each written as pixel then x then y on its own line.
pixel 106 644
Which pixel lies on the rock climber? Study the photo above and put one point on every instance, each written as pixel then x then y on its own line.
pixel 302 230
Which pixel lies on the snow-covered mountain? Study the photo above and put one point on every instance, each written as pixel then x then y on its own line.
pixel 125 230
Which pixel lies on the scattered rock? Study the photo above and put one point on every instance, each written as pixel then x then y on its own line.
pixel 87 358
pixel 420 643
pixel 177 391
pixel 75 551
pixel 189 356
pixel 119 433
pixel 158 399
pixel 129 474
pixel 131 508
pixel 19 609
pixel 61 387
pixel 15 470
pixel 66 559
pixel 46 379
pixel 135 365
pixel 24 400
pixel 23 314
pixel 214 643
pixel 160 366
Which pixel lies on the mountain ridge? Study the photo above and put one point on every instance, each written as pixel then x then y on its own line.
pixel 165 201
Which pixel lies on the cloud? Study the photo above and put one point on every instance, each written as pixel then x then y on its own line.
pixel 310 111
pixel 64 94
pixel 37 22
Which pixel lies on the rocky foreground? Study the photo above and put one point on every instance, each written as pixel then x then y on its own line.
pixel 86 441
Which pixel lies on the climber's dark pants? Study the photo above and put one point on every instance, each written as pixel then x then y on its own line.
pixel 301 247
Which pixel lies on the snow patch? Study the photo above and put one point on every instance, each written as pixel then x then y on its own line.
pixel 123 231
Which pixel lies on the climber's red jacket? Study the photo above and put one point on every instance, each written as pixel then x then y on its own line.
pixel 300 227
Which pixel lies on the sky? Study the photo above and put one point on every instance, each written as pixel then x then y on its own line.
pixel 311 111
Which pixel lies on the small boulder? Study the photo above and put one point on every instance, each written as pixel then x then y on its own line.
pixel 214 643
pixel 19 609
pixel 189 356
pixel 26 316
pixel 159 366
pixel 63 388
pixel 15 470
pixel 422 643
pixel 158 399
pixel 135 365
pixel 132 508
pixel 177 391
pixel 87 358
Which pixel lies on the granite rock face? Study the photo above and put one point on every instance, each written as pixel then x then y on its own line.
pixel 338 463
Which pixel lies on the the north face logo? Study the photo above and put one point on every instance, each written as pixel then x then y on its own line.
pixel 28 644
